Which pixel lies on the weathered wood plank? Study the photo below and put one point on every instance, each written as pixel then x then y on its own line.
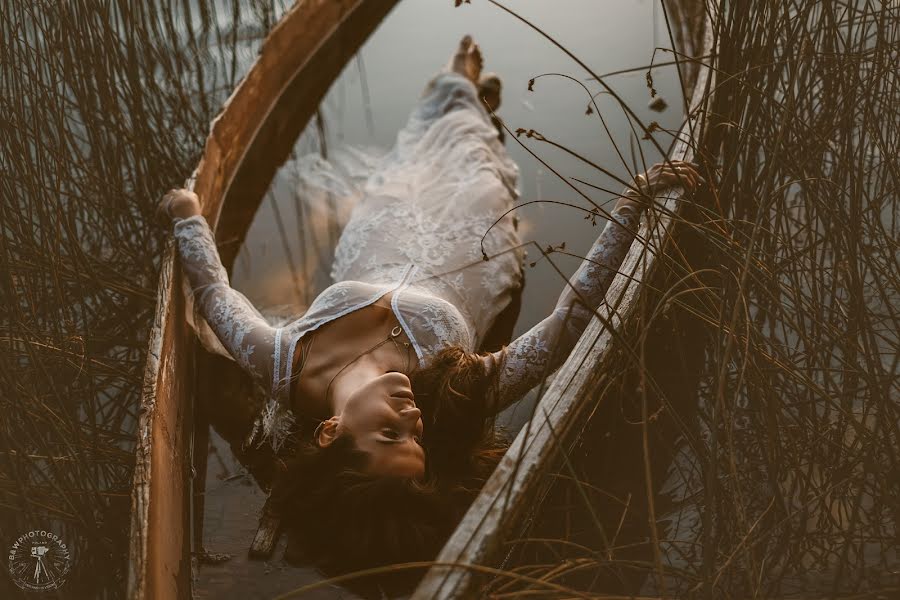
pixel 159 565
pixel 267 533
pixel 515 485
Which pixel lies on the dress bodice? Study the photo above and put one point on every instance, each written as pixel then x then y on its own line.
pixel 431 323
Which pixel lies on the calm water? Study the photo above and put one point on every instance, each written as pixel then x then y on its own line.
pixel 414 41
pixel 366 107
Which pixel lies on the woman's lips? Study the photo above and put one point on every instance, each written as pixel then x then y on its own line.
pixel 399 386
pixel 406 394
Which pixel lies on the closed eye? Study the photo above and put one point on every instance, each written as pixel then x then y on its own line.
pixel 390 434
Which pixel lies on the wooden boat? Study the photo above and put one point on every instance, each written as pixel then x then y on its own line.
pixel 517 485
pixel 248 141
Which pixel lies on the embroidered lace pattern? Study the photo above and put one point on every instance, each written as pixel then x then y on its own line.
pixel 541 350
pixel 417 230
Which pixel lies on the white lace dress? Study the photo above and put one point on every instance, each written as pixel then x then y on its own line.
pixel 431 228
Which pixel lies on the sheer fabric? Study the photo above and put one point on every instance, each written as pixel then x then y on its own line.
pixel 427 227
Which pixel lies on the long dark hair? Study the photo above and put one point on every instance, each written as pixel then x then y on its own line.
pixel 348 519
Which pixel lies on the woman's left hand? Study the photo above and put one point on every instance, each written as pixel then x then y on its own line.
pixel 658 177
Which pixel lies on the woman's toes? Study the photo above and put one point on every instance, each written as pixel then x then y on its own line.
pixel 475 63
pixel 468 60
pixel 460 61
pixel 489 88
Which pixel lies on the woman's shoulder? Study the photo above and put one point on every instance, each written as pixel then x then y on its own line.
pixel 345 296
pixel 437 322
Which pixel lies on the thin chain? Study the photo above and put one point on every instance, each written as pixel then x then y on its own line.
pixel 305 354
pixel 405 346
pixel 395 332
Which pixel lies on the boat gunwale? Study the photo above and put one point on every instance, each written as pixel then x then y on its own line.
pixel 516 481
pixel 165 421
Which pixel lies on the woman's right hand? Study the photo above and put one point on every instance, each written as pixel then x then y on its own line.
pixel 178 203
pixel 660 176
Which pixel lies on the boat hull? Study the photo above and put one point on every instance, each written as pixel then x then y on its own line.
pixel 249 140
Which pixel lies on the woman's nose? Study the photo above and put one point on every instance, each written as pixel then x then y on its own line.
pixel 411 414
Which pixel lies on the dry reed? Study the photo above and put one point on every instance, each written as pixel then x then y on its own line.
pixel 752 450
pixel 104 106
pixel 772 439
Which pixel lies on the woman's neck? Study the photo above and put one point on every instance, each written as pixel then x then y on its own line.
pixel 356 375
pixel 344 353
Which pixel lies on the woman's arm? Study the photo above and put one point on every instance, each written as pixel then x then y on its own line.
pixel 244 333
pixel 541 350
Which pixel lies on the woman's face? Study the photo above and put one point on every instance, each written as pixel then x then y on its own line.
pixel 385 423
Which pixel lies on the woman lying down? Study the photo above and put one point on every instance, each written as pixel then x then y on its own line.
pixel 384 361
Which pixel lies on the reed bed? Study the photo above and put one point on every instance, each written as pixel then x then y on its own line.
pixel 751 449
pixel 750 452
pixel 104 106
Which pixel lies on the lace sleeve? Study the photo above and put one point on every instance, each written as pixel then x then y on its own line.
pixel 241 329
pixel 542 349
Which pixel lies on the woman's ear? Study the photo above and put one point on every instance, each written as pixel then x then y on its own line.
pixel 327 432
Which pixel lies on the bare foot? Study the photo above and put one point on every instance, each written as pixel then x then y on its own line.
pixel 468 60
pixel 489 87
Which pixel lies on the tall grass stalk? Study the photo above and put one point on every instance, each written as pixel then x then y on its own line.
pixel 104 106
pixel 752 450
